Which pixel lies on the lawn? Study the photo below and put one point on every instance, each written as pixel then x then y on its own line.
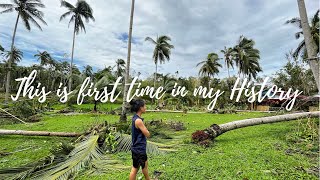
pixel 258 152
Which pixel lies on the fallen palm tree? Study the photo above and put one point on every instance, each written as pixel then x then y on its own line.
pixel 216 130
pixel 38 133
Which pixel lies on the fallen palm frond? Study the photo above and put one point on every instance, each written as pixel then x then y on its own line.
pixel 104 165
pixel 124 144
pixel 25 171
pixel 79 157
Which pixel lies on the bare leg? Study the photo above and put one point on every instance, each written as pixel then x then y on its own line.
pixel 145 171
pixel 133 173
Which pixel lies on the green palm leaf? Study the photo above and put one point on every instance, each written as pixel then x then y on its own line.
pixel 124 145
pixel 79 157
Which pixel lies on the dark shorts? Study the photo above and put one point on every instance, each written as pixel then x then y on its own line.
pixel 139 160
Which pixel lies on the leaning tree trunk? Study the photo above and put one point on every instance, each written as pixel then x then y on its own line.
pixel 216 130
pixel 10 61
pixel 123 117
pixel 310 43
pixel 38 133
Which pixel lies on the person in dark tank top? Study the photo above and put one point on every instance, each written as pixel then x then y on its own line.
pixel 139 134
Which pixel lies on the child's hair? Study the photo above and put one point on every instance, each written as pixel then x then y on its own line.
pixel 136 104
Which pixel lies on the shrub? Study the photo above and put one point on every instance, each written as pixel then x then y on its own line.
pixel 23 109
pixel 177 126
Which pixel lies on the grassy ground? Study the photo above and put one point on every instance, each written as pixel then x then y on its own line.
pixel 258 152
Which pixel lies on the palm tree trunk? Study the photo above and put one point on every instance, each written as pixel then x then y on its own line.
pixel 228 81
pixel 154 80
pixel 155 76
pixel 215 130
pixel 310 44
pixel 10 61
pixel 123 117
pixel 38 133
pixel 71 63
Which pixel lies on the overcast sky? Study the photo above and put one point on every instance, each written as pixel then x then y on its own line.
pixel 197 27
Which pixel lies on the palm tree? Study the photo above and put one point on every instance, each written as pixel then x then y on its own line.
pixel 161 52
pixel 314 27
pixel 210 66
pixel 15 55
pixel 87 72
pixel 80 11
pixel 228 58
pixel 247 58
pixel 29 12
pixel 216 130
pixel 44 58
pixel 120 67
pixel 123 117
pixel 310 43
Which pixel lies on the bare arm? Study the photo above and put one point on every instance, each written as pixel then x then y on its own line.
pixel 139 124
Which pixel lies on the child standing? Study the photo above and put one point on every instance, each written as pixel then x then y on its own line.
pixel 139 140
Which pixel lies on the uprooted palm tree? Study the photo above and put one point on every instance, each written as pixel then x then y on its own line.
pixel 28 11
pixel 216 130
pixel 80 12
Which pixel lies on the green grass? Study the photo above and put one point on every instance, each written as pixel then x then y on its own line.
pixel 256 152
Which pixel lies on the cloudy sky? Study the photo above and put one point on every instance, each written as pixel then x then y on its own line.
pixel 196 28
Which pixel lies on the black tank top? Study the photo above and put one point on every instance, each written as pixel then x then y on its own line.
pixel 139 141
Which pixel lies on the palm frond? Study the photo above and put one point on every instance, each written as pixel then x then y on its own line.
pixel 104 165
pixel 6 11
pixel 6 6
pixel 64 15
pixel 124 145
pixel 67 5
pixel 150 40
pixel 79 157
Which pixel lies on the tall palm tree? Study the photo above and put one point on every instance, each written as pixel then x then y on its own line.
pixel 120 67
pixel 314 27
pixel 228 58
pixel 80 11
pixel 28 11
pixel 311 45
pixel 161 52
pixel 210 66
pixel 123 116
pixel 247 58
pixel 44 58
